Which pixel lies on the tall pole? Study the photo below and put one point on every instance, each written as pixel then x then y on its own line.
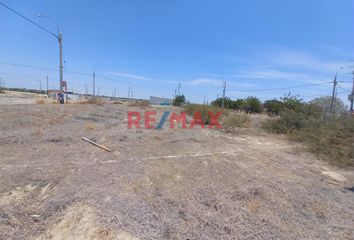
pixel 47 87
pixel 114 92
pixel 94 81
pixel 86 89
pixel 333 92
pixel 351 97
pixel 223 96
pixel 98 91
pixel 40 85
pixel 129 92
pixel 179 87
pixel 93 84
pixel 61 67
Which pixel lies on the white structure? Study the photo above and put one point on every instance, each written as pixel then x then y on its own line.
pixel 160 101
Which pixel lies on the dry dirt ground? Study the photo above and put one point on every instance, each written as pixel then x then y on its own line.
pixel 160 184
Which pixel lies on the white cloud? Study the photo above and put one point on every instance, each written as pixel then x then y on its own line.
pixel 205 82
pixel 129 75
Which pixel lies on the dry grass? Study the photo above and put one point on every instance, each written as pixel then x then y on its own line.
pixel 139 104
pixel 41 101
pixel 2 91
pixel 235 120
pixel 93 101
pixel 90 126
pixel 117 102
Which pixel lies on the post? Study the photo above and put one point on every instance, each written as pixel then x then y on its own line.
pixel 93 83
pixel 223 96
pixel 61 76
pixel 47 87
pixel 351 97
pixel 114 92
pixel 333 92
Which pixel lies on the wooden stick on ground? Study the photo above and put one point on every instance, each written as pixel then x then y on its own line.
pixel 96 144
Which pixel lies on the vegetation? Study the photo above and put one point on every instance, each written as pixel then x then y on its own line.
pixel 250 104
pixel 330 138
pixel 179 100
pixel 228 119
pixel 324 103
pixel 231 120
pixel 204 110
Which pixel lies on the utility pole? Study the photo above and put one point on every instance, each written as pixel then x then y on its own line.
pixel 129 92
pixel 98 91
pixel 179 87
pixel 132 94
pixel 114 92
pixel 223 96
pixel 333 92
pixel 40 85
pixel 351 97
pixel 94 81
pixel 47 87
pixel 204 101
pixel 60 39
pixel 175 93
pixel 86 92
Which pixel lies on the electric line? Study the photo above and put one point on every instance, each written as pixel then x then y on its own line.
pixel 31 21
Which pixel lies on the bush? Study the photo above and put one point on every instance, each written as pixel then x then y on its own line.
pixel 203 110
pixel 329 138
pixel 273 106
pixel 228 103
pixel 252 105
pixel 179 100
pixel 234 120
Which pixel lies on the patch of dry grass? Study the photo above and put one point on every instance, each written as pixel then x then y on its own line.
pixel 41 101
pixel 93 101
pixel 234 120
pixel 139 104
pixel 90 126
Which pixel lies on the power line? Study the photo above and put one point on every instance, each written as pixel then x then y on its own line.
pixel 29 20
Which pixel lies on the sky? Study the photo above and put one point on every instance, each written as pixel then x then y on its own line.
pixel 259 48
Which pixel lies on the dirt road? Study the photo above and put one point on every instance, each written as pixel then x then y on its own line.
pixel 160 184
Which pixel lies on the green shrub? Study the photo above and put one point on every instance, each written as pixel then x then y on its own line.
pixel 179 100
pixel 273 106
pixel 234 120
pixel 252 105
pixel 203 110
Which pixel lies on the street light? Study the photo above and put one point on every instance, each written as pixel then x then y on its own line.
pixel 59 36
pixel 93 80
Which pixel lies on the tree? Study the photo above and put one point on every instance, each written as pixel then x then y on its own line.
pixel 179 100
pixel 273 106
pixel 324 103
pixel 252 104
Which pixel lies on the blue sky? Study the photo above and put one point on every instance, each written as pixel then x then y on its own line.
pixel 154 45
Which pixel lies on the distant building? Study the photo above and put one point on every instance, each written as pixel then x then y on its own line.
pixel 160 101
